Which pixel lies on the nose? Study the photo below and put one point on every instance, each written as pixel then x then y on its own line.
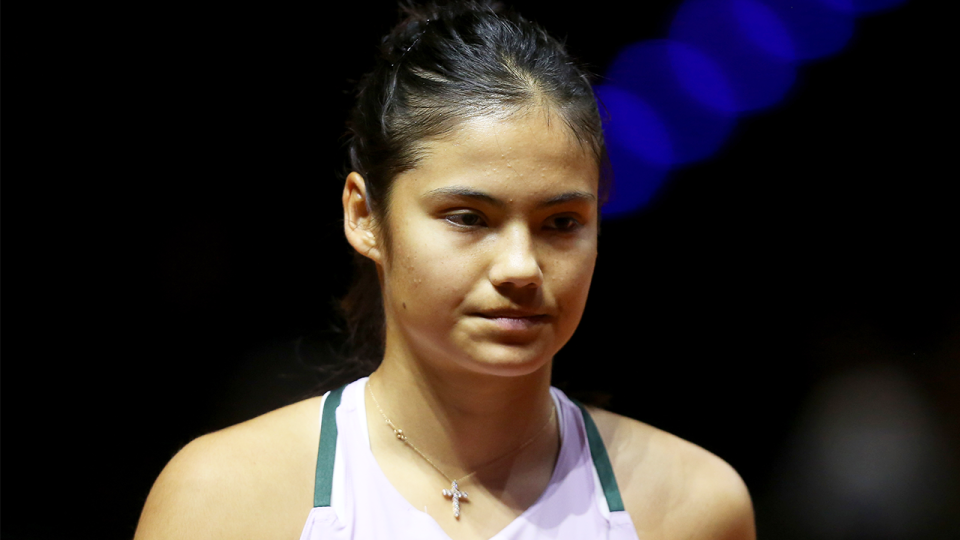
pixel 515 260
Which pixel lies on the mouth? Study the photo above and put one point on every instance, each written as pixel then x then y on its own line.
pixel 514 319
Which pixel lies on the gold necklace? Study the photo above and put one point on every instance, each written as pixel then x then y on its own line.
pixel 454 492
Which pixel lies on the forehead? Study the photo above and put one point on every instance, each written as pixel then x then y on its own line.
pixel 533 153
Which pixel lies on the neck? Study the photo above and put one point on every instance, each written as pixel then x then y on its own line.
pixel 461 420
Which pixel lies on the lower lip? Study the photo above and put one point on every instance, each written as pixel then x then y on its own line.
pixel 518 323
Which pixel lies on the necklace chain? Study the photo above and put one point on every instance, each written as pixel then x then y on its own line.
pixel 402 437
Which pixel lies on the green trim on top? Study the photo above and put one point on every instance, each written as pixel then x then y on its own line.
pixel 601 461
pixel 328 449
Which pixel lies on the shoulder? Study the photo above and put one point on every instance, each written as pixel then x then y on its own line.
pixel 251 480
pixel 673 488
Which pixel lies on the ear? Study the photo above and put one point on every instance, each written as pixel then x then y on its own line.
pixel 358 221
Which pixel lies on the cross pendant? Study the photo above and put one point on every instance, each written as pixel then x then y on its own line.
pixel 455 494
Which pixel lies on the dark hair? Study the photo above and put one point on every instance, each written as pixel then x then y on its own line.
pixel 444 64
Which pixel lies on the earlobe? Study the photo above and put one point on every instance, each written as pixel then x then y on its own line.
pixel 358 219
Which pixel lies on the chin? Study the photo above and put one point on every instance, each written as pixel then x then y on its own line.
pixel 504 360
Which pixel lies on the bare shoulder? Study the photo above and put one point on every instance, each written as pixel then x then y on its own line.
pixel 674 489
pixel 252 480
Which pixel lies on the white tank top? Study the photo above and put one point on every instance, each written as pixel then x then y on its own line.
pixel 354 500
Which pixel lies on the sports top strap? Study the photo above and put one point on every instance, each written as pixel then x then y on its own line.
pixel 601 462
pixel 328 451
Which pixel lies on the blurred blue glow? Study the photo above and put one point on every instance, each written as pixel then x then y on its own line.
pixel 648 70
pixel 639 148
pixel 721 28
pixel 862 6
pixel 636 125
pixel 674 102
pixel 635 181
pixel 762 27
pixel 701 77
pixel 815 29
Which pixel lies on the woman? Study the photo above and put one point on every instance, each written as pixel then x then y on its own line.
pixel 478 171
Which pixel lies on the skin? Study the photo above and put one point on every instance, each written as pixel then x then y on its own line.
pixel 501 217
pixel 485 271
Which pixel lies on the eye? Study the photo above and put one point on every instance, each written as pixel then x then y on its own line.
pixel 565 223
pixel 465 219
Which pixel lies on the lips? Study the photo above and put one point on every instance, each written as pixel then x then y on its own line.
pixel 515 319
pixel 511 314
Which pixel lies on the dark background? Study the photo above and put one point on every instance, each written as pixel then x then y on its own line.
pixel 180 244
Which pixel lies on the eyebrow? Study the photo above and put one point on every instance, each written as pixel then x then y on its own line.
pixel 468 193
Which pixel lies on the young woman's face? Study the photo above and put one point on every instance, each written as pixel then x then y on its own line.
pixel 493 241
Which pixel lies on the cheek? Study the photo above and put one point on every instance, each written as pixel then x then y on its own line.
pixel 428 274
pixel 574 274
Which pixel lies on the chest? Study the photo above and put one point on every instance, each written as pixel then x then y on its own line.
pixel 487 501
pixel 388 494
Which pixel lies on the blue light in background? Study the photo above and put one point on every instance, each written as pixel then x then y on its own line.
pixel 740 35
pixel 701 78
pixel 639 148
pixel 815 29
pixel 672 102
pixel 761 25
pixel 648 70
pixel 862 6
pixel 638 126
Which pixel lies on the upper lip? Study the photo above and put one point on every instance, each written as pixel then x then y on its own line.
pixel 510 313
